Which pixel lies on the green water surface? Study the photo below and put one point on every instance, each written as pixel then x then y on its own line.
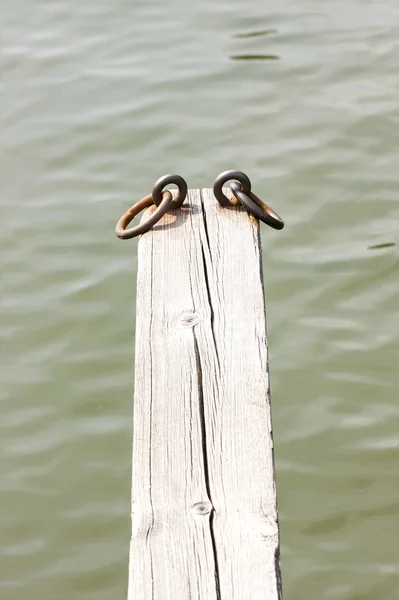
pixel 100 99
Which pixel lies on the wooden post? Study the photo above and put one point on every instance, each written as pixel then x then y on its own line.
pixel 204 508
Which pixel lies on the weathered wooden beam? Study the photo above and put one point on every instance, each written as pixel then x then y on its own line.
pixel 204 508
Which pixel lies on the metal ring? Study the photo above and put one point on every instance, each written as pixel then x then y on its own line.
pixel 168 180
pixel 256 207
pixel 126 234
pixel 227 176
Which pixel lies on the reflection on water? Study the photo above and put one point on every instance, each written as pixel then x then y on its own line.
pixel 254 57
pixel 100 100
pixel 252 34
pixel 257 55
pixel 380 246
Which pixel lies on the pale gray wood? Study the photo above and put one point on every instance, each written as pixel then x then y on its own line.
pixel 204 508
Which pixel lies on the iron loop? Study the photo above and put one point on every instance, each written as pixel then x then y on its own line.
pixel 168 180
pixel 164 206
pixel 224 178
pixel 257 207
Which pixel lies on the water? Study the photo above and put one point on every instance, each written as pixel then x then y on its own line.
pixel 99 100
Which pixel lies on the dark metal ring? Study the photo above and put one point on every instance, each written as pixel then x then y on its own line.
pixel 168 180
pixel 256 207
pixel 126 234
pixel 228 176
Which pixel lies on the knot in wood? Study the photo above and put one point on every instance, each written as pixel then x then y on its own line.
pixel 203 508
pixel 188 318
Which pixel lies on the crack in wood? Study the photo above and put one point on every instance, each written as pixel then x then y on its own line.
pixel 208 291
pixel 210 306
pixel 205 459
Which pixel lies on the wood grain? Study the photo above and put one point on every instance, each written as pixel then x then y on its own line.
pixel 204 514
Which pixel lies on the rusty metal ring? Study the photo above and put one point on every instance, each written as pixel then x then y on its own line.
pixel 256 207
pixel 228 176
pixel 126 234
pixel 168 180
